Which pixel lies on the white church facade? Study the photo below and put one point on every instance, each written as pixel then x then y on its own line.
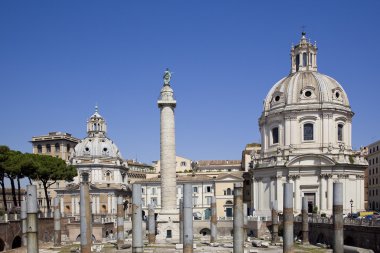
pixel 108 173
pixel 305 131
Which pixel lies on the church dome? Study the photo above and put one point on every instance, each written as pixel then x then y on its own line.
pixel 97 147
pixel 306 111
pixel 96 144
pixel 306 88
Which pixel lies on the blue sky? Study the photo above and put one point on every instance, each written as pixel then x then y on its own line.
pixel 60 58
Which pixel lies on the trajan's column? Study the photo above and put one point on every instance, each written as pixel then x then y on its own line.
pixel 167 222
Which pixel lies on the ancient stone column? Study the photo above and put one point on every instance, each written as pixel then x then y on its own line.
pixel 305 222
pixel 213 221
pixel 151 225
pixel 338 217
pixel 120 221
pixel 32 220
pixel 187 218
pixel 166 103
pixel 137 240
pixel 245 219
pixel 238 223
pixel 57 222
pixel 23 222
pixel 274 224
pixel 288 246
pixel 85 214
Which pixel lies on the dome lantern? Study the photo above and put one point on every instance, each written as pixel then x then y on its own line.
pixel 96 125
pixel 304 56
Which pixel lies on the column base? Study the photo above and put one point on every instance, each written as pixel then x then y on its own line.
pixel 168 227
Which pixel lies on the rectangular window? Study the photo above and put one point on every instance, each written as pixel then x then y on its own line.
pixel 308 132
pixel 208 200
pixel 340 132
pixel 208 188
pixel 195 189
pixel 275 135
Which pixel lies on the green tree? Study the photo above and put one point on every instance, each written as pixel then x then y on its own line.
pixel 4 150
pixel 13 171
pixel 50 169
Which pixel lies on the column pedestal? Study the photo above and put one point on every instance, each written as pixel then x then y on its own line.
pixel 168 224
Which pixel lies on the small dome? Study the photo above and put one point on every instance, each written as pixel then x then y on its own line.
pixel 97 147
pixel 310 88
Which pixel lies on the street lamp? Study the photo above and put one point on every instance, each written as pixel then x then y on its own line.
pixel 351 202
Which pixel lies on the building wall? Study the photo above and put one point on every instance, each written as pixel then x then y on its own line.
pixel 182 165
pixel 374 176
pixel 65 144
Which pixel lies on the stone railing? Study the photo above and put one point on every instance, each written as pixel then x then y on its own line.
pixel 347 221
pixel 259 218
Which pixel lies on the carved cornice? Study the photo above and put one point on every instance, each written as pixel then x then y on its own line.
pixel 293 177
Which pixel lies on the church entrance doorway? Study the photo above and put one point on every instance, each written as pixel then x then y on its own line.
pixel 310 197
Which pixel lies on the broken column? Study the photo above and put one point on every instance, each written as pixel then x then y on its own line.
pixel 245 217
pixel 85 214
pixel 338 217
pixel 57 222
pixel 151 225
pixel 181 221
pixel 120 222
pixel 288 246
pixel 137 240
pixel 31 220
pixel 213 221
pixel 238 223
pixel 23 222
pixel 274 223
pixel 187 218
pixel 305 222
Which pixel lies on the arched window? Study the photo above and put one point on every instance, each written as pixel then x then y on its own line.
pixel 297 62
pixel 68 147
pixel 39 149
pixel 57 149
pixel 311 59
pixel 228 191
pixel 308 132
pixel 304 59
pixel 48 148
pixel 340 132
pixel 275 135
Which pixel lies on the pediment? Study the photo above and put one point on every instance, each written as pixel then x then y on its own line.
pixel 228 178
pixel 310 160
